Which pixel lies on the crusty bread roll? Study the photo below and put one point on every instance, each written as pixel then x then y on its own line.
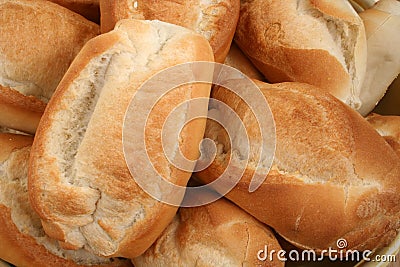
pixel 88 8
pixel 238 60
pixel 215 20
pixel 80 184
pixel 217 234
pixel 332 175
pixel 322 43
pixel 388 127
pixel 22 239
pixel 39 41
pixel 383 41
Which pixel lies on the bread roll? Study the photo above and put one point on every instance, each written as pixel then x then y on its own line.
pixel 80 184
pixel 88 8
pixel 383 64
pixel 239 61
pixel 317 42
pixel 388 127
pixel 332 175
pixel 22 239
pixel 217 234
pixel 39 41
pixel 215 20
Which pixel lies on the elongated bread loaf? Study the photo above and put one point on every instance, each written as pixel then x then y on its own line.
pixel 382 23
pixel 80 184
pixel 39 40
pixel 216 20
pixel 333 177
pixel 217 234
pixel 321 42
pixel 22 239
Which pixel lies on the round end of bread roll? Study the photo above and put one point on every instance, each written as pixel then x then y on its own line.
pixel 316 42
pixel 217 234
pixel 215 20
pixel 22 239
pixel 34 58
pixel 326 182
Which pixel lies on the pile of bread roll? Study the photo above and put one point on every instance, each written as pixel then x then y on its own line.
pixel 70 68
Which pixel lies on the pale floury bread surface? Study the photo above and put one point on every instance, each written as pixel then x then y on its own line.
pixel 214 19
pixel 39 40
pixel 22 239
pixel 382 24
pixel 320 42
pixel 80 184
pixel 216 234
pixel 333 176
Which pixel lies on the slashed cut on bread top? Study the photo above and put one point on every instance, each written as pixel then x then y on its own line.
pixel 39 40
pixel 320 42
pixel 333 176
pixel 22 239
pixel 214 19
pixel 79 182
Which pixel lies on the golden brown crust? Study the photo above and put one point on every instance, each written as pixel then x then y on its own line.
pixel 17 246
pixel 88 8
pixel 127 219
pixel 326 181
pixel 10 142
pixel 216 234
pixel 275 35
pixel 238 60
pixel 214 19
pixel 34 58
pixel 18 111
pixel 23 250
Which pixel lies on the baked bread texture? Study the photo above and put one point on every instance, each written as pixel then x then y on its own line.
pixel 39 41
pixel 217 234
pixel 22 239
pixel 383 64
pixel 388 127
pixel 90 9
pixel 321 43
pixel 79 181
pixel 214 19
pixel 236 59
pixel 332 177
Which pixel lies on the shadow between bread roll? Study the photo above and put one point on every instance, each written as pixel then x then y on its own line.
pixel 388 127
pixel 22 239
pixel 332 175
pixel 88 8
pixel 216 20
pixel 321 42
pixel 216 234
pixel 79 181
pixel 39 40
